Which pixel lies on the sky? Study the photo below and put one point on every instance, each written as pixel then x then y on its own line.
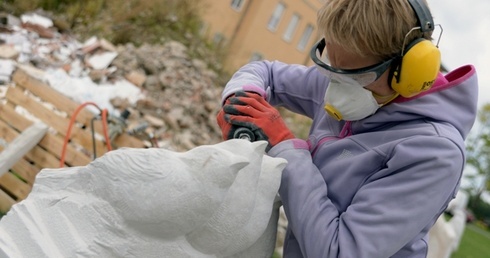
pixel 466 40
pixel 466 37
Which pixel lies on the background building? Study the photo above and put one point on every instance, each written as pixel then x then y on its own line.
pixel 251 30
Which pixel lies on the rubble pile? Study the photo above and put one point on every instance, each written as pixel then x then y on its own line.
pixel 179 90
pixel 170 95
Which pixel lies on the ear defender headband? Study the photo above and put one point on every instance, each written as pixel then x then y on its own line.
pixel 416 69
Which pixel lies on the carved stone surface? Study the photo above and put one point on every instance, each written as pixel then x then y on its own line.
pixel 211 201
pixel 445 235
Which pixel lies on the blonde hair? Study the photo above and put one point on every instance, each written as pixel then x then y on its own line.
pixel 369 27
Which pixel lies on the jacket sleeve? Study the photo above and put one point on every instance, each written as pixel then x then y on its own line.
pixel 296 87
pixel 390 209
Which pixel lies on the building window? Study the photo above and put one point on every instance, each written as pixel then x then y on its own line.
pixel 276 17
pixel 305 38
pixel 293 23
pixel 237 4
pixel 256 57
pixel 218 39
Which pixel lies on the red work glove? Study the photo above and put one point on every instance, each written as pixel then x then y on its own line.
pixel 252 111
pixel 226 128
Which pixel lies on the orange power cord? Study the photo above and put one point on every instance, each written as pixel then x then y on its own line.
pixel 72 121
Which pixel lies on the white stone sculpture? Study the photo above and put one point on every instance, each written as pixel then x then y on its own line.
pixel 212 201
pixel 445 235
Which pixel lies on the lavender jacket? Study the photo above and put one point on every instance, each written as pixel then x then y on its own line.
pixel 369 188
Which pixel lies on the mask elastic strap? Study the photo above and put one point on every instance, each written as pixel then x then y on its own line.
pixel 389 97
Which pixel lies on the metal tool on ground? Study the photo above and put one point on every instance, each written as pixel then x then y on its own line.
pixel 117 124
pixel 140 130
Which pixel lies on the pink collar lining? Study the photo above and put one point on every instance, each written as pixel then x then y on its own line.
pixel 442 82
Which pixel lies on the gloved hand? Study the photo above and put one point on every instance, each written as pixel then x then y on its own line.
pixel 226 128
pixel 252 111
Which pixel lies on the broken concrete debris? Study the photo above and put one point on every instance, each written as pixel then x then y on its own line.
pixel 172 95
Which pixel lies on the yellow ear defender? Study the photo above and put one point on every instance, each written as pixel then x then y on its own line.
pixel 419 62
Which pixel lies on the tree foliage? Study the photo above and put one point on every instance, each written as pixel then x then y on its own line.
pixel 478 157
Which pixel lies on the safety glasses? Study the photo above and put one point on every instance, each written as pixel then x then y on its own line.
pixel 361 76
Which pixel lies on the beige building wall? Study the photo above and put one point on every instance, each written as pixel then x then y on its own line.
pixel 245 33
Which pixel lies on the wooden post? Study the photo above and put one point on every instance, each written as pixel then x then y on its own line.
pixel 21 145
pixel 6 202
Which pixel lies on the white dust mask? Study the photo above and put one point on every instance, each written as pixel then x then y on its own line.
pixel 349 101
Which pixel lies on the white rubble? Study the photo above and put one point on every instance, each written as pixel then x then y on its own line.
pixel 6 69
pixel 102 61
pixel 83 89
pixel 35 18
pixel 211 201
pixel 52 55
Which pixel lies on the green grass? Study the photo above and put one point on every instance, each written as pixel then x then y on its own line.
pixel 475 243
